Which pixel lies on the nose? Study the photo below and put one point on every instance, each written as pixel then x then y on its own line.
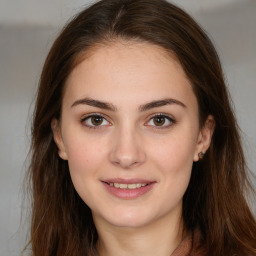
pixel 127 151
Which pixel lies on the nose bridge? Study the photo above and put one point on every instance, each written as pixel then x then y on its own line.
pixel 126 149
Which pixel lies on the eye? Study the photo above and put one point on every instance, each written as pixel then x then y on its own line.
pixel 161 121
pixel 95 120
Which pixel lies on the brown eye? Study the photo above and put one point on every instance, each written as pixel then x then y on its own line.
pixel 97 120
pixel 159 120
pixel 94 121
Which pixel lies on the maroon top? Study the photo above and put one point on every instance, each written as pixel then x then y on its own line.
pixel 189 246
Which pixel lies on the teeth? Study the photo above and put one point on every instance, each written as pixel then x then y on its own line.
pixel 127 186
pixel 123 185
pixel 132 186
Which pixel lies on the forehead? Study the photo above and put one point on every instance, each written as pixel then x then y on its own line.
pixel 128 69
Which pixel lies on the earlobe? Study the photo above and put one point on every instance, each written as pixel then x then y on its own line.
pixel 204 138
pixel 58 139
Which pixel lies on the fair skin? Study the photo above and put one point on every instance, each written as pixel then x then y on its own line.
pixel 130 132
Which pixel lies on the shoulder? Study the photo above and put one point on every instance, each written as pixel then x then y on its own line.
pixel 191 245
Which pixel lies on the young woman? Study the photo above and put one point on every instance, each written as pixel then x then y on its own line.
pixel 135 149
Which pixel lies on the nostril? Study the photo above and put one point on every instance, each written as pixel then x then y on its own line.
pixel 126 152
pixel 125 164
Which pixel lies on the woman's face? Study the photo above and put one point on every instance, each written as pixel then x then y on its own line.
pixel 129 130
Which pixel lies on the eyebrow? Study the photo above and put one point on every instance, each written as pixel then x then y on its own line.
pixel 160 103
pixel 95 103
pixel 142 108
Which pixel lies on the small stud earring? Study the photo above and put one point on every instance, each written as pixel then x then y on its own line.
pixel 201 155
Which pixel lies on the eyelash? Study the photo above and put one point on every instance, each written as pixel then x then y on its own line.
pixel 166 117
pixel 89 116
pixel 158 115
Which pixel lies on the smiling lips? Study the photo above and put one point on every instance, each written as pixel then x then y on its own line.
pixel 128 186
pixel 128 189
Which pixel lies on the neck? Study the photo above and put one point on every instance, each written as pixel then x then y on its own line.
pixel 158 238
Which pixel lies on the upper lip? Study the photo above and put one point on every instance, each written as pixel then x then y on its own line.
pixel 127 181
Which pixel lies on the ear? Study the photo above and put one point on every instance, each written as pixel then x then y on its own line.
pixel 204 137
pixel 58 139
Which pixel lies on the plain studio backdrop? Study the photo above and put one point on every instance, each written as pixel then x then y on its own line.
pixel 27 30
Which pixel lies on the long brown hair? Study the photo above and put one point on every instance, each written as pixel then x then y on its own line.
pixel 214 202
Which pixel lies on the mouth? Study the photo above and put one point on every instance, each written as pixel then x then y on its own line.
pixel 127 186
pixel 128 189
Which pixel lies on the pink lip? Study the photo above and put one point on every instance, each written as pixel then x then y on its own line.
pixel 128 193
pixel 127 181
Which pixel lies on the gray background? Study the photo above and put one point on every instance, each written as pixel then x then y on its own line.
pixel 27 28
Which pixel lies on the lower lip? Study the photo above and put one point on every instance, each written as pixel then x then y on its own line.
pixel 128 193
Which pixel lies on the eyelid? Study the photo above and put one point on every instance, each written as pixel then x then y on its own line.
pixel 93 114
pixel 167 116
pixel 90 115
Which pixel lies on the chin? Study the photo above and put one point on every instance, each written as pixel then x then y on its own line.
pixel 129 223
pixel 129 219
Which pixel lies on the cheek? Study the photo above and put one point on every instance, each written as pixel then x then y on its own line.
pixel 85 157
pixel 174 157
pixel 83 149
pixel 176 162
pixel 84 161
pixel 175 150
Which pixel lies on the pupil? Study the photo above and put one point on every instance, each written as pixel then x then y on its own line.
pixel 97 120
pixel 159 121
